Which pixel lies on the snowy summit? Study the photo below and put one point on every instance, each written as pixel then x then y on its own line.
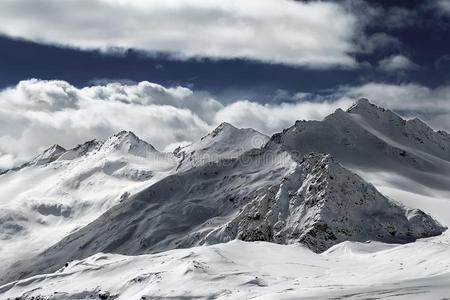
pixel 308 186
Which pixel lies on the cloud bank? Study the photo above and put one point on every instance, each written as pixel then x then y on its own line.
pixel 35 114
pixel 312 34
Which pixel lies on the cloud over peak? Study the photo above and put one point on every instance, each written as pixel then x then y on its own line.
pixel 35 114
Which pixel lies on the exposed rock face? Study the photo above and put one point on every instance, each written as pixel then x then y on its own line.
pixel 371 138
pixel 284 199
pixel 218 189
pixel 321 204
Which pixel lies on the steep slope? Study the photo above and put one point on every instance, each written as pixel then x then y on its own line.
pixel 49 155
pixel 322 204
pixel 128 142
pixel 261 196
pixel 368 139
pixel 281 193
pixel 81 150
pixel 224 142
pixel 62 190
pixel 414 135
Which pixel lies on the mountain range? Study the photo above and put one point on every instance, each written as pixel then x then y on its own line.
pixel 317 186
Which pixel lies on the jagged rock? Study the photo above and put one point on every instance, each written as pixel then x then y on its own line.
pixel 279 198
pixel 224 190
pixel 321 204
pixel 370 138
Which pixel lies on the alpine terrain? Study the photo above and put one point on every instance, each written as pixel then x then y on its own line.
pixel 355 206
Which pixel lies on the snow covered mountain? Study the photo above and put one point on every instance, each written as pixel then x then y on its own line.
pixel 263 195
pixel 62 190
pixel 310 184
pixel 405 159
pixel 407 148
pixel 224 142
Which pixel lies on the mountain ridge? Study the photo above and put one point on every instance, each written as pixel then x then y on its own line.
pixel 237 183
pixel 283 199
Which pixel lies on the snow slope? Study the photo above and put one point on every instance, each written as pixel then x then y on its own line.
pixel 258 197
pixel 257 270
pixel 224 142
pixel 370 139
pixel 60 191
pixel 405 159
pixel 216 190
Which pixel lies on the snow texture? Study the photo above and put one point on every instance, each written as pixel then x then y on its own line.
pixel 306 190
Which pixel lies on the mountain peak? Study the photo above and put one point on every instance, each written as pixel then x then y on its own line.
pixel 224 126
pixel 363 104
pixel 54 148
pixel 48 155
pixel 224 142
pixel 128 142
pixel 126 134
pixel 81 150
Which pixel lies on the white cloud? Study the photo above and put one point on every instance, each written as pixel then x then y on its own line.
pixel 35 114
pixel 7 161
pixel 269 118
pixel 443 6
pixel 396 63
pixel 314 34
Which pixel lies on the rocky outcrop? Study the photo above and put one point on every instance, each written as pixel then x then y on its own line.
pixel 278 198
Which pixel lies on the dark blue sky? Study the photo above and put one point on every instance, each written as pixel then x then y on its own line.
pixel 422 36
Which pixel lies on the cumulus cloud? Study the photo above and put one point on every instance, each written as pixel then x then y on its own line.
pixel 269 118
pixel 315 34
pixel 396 63
pixel 35 114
